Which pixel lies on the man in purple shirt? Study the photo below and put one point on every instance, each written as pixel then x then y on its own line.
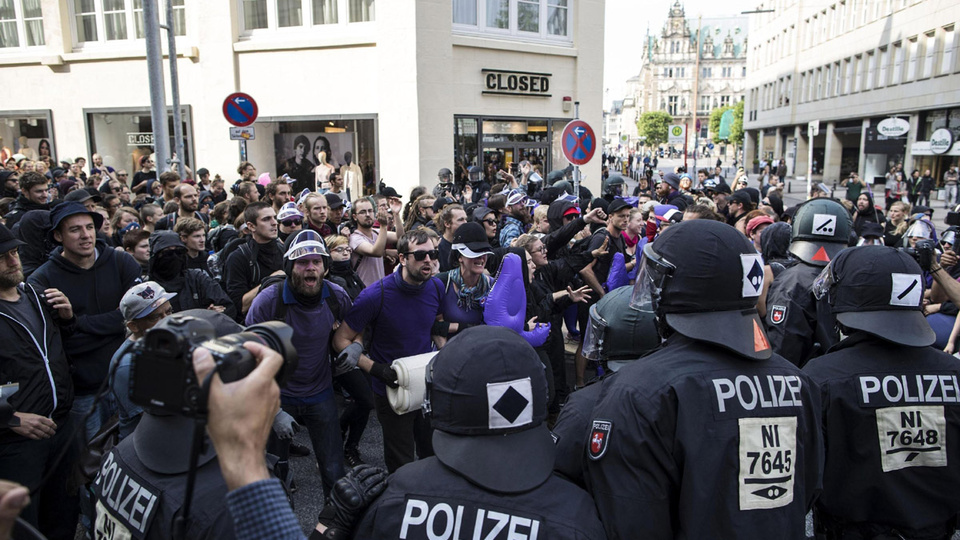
pixel 312 307
pixel 400 310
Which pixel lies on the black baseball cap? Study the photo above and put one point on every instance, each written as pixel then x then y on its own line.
pixel 78 195
pixel 333 200
pixel 7 240
pixel 390 192
pixel 740 196
pixel 470 240
pixel 673 179
pixel 617 205
pixel 489 416
pixel 440 202
pixel 879 290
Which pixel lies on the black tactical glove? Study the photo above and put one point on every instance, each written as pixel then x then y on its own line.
pixel 385 373
pixel 350 497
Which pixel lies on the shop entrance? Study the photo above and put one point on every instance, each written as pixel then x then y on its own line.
pixel 507 158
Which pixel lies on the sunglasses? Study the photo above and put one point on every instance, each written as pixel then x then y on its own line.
pixel 292 222
pixel 421 255
pixel 490 221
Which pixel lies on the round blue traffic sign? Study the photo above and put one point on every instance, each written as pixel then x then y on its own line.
pixel 579 142
pixel 240 109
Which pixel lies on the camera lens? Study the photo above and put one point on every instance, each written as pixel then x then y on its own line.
pixel 273 334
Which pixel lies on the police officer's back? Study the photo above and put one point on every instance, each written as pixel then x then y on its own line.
pixel 712 435
pixel 891 405
pixel 798 326
pixel 492 473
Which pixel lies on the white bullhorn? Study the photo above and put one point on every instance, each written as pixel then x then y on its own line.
pixel 411 376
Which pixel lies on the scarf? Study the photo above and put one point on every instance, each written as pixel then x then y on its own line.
pixel 269 257
pixel 469 298
pixel 629 241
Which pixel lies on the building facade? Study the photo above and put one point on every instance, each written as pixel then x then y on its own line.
pixel 850 65
pixel 406 87
pixel 675 74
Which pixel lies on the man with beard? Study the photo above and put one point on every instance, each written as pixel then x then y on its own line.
pixel 312 307
pixel 33 196
pixel 195 289
pixel 31 321
pixel 278 194
pixel 400 310
pixel 517 217
pixel 299 167
pixel 368 244
pixel 188 201
pixel 254 260
pixel 316 209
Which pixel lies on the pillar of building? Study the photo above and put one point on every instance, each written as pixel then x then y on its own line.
pixel 749 150
pixel 801 163
pixel 777 145
pixel 911 138
pixel 760 148
pixel 862 162
pixel 832 153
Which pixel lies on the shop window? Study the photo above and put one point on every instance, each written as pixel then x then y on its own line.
pixel 118 20
pixel 21 24
pixel 547 20
pixel 122 137
pixel 303 14
pixel 27 133
pixel 348 145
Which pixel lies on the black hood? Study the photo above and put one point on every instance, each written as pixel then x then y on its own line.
pixel 555 213
pixel 32 229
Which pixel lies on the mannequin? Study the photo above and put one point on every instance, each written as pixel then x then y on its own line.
pixel 352 177
pixel 5 152
pixel 322 172
pixel 27 152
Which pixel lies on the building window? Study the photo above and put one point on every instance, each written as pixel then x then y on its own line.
pixel 819 92
pixel 946 61
pixel 871 71
pixel 911 60
pixel 525 19
pixel 837 78
pixel 704 105
pixel 857 73
pixel 847 76
pixel 706 72
pixel 828 91
pixel 672 105
pixel 681 72
pixel 21 24
pixel 897 63
pixel 884 60
pixel 668 72
pixel 118 20
pixel 929 50
pixel 303 14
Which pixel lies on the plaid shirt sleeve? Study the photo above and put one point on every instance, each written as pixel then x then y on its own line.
pixel 260 510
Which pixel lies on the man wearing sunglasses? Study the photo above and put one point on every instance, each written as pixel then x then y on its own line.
pixel 400 310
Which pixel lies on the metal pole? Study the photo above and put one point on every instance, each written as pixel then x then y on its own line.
pixel 175 93
pixel 576 168
pixel 696 87
pixel 810 138
pixel 158 106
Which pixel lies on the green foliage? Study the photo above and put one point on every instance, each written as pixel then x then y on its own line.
pixel 736 131
pixel 715 121
pixel 654 126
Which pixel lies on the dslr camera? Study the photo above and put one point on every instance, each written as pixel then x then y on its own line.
pixel 924 252
pixel 161 372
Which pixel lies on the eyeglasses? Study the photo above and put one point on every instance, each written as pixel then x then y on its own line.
pixel 292 222
pixel 344 249
pixel 490 221
pixel 421 255
pixel 541 249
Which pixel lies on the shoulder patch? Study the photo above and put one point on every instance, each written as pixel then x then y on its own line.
pixel 778 314
pixel 599 438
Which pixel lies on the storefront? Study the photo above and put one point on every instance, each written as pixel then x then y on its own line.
pixel 885 144
pixel 123 136
pixel 501 142
pixel 29 133
pixel 936 147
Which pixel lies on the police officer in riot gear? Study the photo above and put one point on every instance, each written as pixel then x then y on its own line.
pixel 712 435
pixel 492 474
pixel 445 186
pixel 891 402
pixel 798 326
pixel 617 334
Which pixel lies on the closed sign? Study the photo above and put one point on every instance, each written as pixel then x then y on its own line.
pixel 516 83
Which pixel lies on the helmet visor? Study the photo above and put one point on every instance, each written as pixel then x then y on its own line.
pixel 593 340
pixel 919 229
pixel 821 286
pixel 653 273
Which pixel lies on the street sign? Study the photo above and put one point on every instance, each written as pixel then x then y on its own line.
pixel 813 128
pixel 677 134
pixel 941 141
pixel 579 142
pixel 240 109
pixel 242 133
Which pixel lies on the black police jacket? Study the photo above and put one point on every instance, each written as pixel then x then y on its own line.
pixel 425 499
pixel 134 502
pixel 693 441
pixel 798 326
pixel 891 417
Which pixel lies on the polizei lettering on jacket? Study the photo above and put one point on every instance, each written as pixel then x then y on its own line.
pixel 437 519
pixel 882 390
pixel 753 392
pixel 124 502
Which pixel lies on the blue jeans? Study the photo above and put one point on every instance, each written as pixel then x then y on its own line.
pixel 323 424
pixel 82 405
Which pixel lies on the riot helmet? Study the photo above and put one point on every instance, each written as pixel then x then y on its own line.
pixel 879 290
pixel 702 279
pixel 618 332
pixel 821 229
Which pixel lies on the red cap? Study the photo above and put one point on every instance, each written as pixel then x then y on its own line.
pixel 572 211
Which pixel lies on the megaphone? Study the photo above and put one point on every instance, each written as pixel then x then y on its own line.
pixel 411 381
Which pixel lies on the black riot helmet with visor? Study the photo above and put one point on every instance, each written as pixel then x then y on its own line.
pixel 878 290
pixel 617 332
pixel 702 279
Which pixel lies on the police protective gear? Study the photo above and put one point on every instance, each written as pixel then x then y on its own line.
pixel 821 228
pixel 350 497
pixel 617 332
pixel 708 294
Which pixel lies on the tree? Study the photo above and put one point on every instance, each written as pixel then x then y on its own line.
pixel 654 126
pixel 736 131
pixel 715 122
